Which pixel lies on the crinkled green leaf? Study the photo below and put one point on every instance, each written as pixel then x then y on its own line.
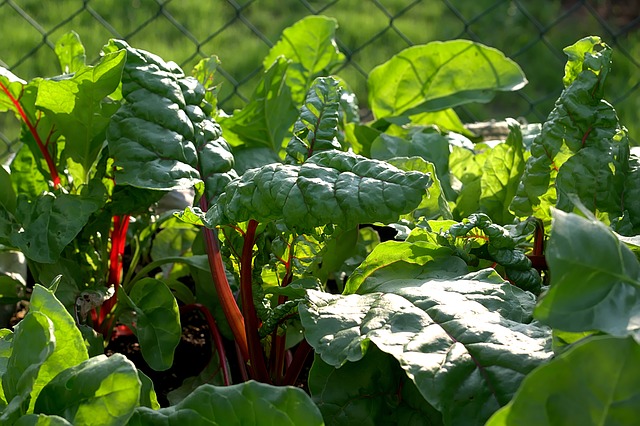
pixel 383 395
pixel 317 127
pixel 49 223
pixel 501 247
pixel 311 48
pixel 249 403
pixel 70 53
pixel 266 119
pixel 163 126
pixel 440 75
pixel 156 321
pixel 595 382
pixel 331 187
pixel 465 342
pixel 582 150
pixel 501 175
pixel 78 109
pixel 595 279
pixel 33 343
pixel 104 389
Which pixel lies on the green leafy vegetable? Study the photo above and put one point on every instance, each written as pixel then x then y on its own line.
pixel 155 319
pixel 583 150
pixel 465 342
pixel 331 187
pixel 101 388
pixel 569 390
pixel 249 403
pixel 266 120
pixel 440 75
pixel 590 289
pixel 311 48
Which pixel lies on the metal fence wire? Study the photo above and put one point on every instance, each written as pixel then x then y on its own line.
pixel 240 32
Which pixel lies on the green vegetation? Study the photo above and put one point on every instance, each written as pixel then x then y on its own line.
pixel 531 33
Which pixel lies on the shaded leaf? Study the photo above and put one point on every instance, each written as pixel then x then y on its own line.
pixel 569 390
pixel 590 289
pixel 155 321
pixel 380 396
pixel 46 225
pixel 246 404
pixel 465 342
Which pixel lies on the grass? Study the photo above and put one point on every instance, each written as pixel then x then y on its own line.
pixel 241 32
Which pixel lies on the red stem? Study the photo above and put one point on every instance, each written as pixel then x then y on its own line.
pixel 251 324
pixel 215 334
pixel 299 360
pixel 277 340
pixel 118 242
pixel 228 302
pixel 45 153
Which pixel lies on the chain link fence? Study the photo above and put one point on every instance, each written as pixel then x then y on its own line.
pixel 240 32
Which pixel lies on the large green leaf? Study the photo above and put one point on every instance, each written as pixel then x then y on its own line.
pixel 163 126
pixel 311 48
pixel 78 108
pixel 49 223
pixel 440 75
pixel 595 279
pixel 249 403
pixel 101 389
pixel 501 175
pixel 331 187
pixel 465 342
pixel 155 320
pixel 33 343
pixel 594 383
pixel 582 150
pixel 266 119
pixel 383 395
pixel 70 349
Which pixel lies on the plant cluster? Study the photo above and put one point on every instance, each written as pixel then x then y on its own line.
pixel 463 317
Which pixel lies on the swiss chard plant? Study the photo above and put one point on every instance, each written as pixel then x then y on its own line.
pixel 490 302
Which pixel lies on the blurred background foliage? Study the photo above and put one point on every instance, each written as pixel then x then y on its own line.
pixel 241 32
